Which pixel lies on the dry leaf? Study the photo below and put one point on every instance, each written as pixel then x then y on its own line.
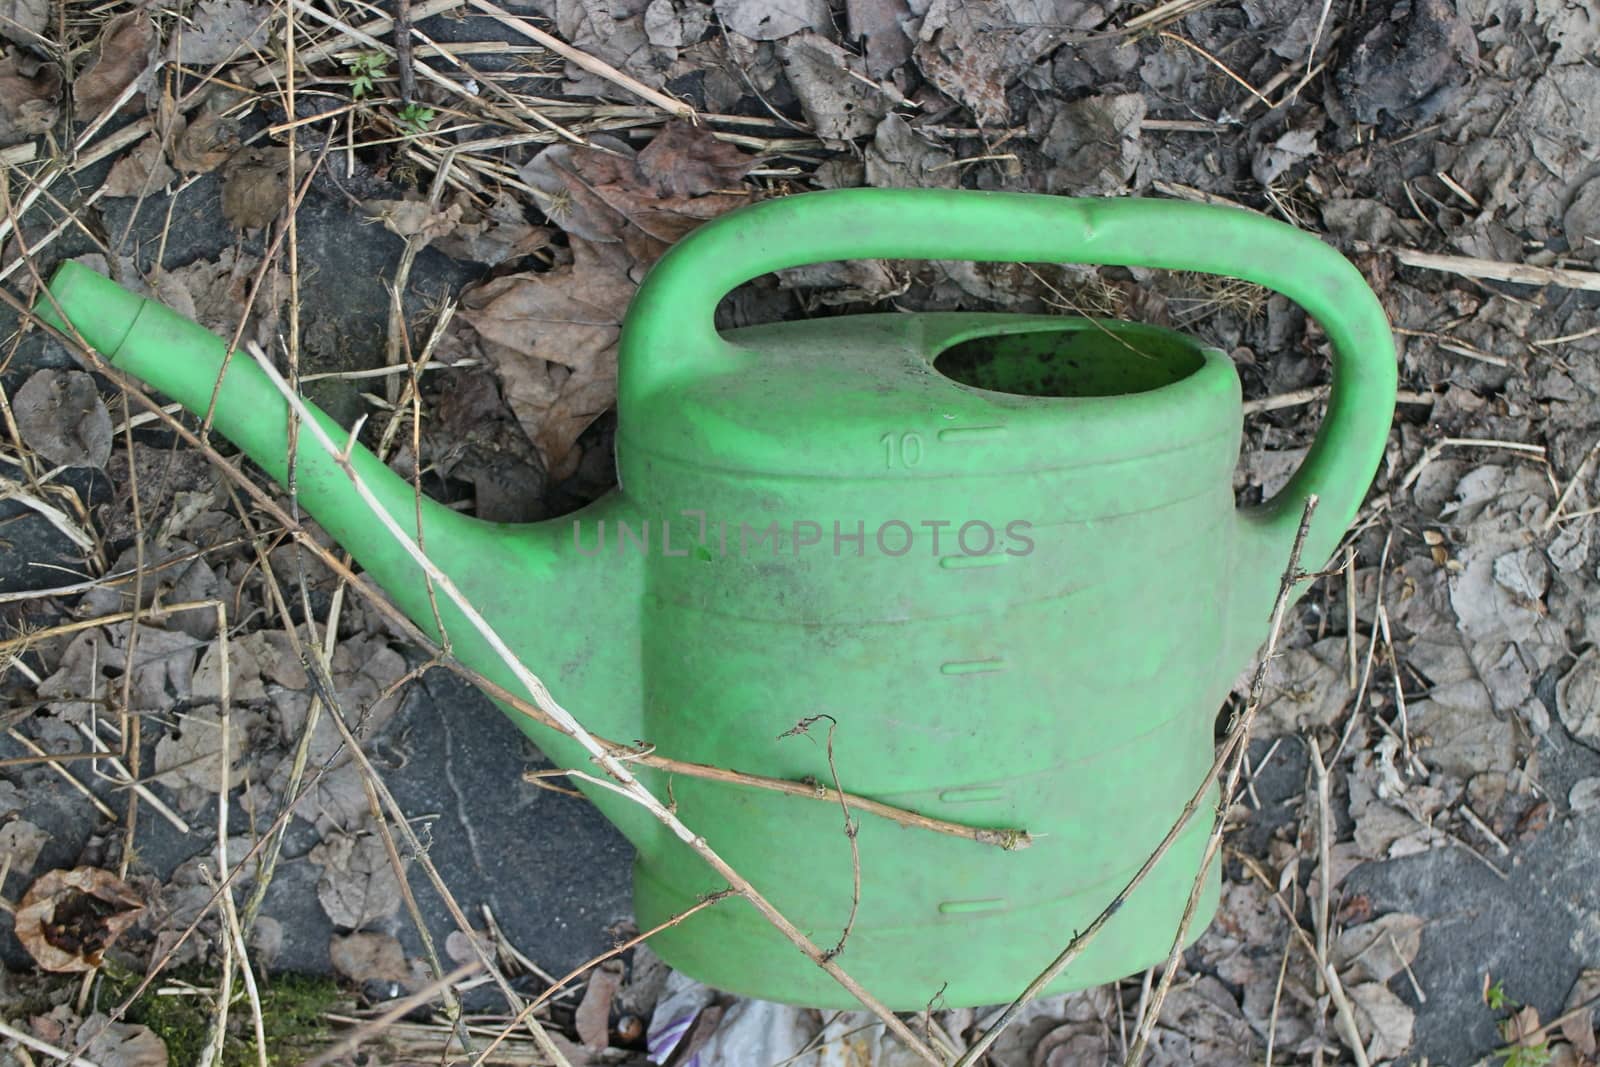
pixel 1522 1026
pixel 162 663
pixel 1385 1023
pixel 214 293
pixel 961 53
pixel 189 755
pixel 1578 697
pixel 1094 143
pixel 20 20
pixel 552 335
pixel 141 172
pixel 839 102
pixel 369 957
pixel 255 186
pixel 646 200
pixel 68 919
pixel 498 236
pixel 358 885
pixel 900 158
pixel 253 660
pixel 30 97
pixel 177 582
pixel 110 1044
pixel 1405 67
pixel 768 20
pixel 221 30
pixel 1202 1024
pixel 1579 1028
pixel 1369 950
pixel 204 144
pixel 1302 688
pixel 62 417
pixel 593 1017
pixel 1585 795
pixel 413 218
pixel 120 57
pixel 552 338
pixel 881 26
pixel 20 844
pixel 459 946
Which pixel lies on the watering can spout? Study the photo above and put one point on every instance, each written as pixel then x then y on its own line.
pixel 528 581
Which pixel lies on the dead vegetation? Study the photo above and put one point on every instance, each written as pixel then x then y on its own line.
pixel 434 214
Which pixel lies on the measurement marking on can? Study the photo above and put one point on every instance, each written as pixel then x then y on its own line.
pixel 956 563
pixel 973 666
pixel 961 434
pixel 967 907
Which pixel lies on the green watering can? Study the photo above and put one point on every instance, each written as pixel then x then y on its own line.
pixel 1001 551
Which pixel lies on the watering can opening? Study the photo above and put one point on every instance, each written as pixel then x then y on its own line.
pixel 1080 358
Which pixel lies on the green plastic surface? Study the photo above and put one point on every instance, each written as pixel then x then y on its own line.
pixel 1055 662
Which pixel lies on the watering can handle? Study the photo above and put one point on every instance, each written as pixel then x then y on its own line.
pixel 669 334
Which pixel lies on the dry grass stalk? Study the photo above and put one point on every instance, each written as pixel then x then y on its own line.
pixel 44 757
pixel 60 1055
pixel 1496 270
pixel 585 61
pixel 396 1011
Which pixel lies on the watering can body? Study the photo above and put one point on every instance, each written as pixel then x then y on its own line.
pixel 993 559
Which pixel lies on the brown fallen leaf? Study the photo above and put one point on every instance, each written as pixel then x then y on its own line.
pixel 358 884
pixel 369 957
pixel 593 1017
pixel 647 200
pixel 202 145
pixel 30 97
pixel 141 172
pixel 189 754
pixel 1578 1028
pixel 110 1044
pixel 221 30
pixel 62 417
pixel 501 234
pixel 255 186
pixel 1385 1022
pixel 965 60
pixel 552 338
pixel 414 218
pixel 20 844
pixel 881 26
pixel 67 919
pixel 1522 1026
pixel 121 57
pixel 839 101
pixel 552 335
pixel 769 20
pixel 1378 950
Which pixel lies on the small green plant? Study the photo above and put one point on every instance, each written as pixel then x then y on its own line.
pixel 1528 1055
pixel 1519 1028
pixel 1495 997
pixel 414 118
pixel 365 68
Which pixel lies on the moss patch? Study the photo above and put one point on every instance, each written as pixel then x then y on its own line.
pixel 292 1010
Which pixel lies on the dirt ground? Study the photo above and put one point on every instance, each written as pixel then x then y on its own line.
pixel 478 199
